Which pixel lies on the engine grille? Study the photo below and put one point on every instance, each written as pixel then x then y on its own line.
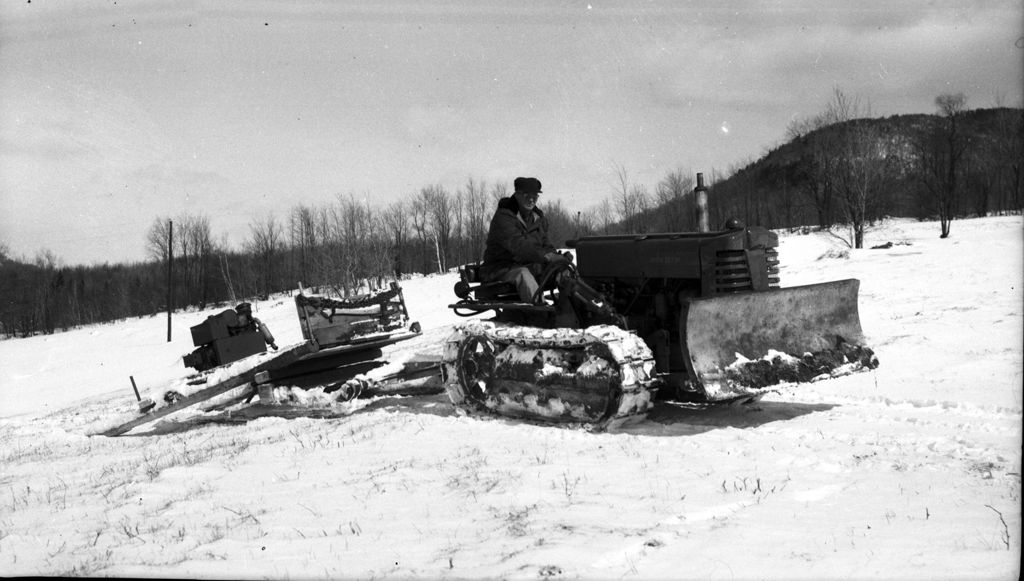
pixel 746 270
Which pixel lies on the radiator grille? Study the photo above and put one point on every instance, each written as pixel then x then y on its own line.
pixel 771 259
pixel 733 270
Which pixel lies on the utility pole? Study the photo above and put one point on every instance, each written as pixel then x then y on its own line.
pixel 170 280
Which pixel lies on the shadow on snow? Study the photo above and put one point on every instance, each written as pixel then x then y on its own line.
pixel 680 419
pixel 665 419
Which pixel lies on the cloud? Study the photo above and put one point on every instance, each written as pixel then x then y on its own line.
pixel 884 54
pixel 228 105
pixel 175 178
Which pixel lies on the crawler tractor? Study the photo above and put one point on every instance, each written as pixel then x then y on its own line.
pixel 696 317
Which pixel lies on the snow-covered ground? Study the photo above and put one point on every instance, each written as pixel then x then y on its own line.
pixel 909 471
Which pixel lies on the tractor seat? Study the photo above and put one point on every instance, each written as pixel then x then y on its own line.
pixel 496 291
pixel 471 283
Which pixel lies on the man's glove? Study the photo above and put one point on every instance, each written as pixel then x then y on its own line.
pixel 556 258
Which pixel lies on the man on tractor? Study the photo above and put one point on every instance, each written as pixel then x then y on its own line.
pixel 518 249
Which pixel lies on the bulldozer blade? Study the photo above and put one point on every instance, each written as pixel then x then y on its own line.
pixel 736 344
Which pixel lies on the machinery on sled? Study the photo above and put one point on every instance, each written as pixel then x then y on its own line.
pixel 695 317
pixel 227 336
pixel 343 338
pixel 329 322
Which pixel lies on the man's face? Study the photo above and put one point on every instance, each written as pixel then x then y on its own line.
pixel 527 201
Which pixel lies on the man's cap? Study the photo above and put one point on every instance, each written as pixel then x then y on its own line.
pixel 243 307
pixel 527 185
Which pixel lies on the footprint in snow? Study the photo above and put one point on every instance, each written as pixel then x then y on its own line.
pixel 549 571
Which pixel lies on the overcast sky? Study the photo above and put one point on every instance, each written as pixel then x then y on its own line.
pixel 113 113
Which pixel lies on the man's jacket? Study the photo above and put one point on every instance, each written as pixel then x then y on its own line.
pixel 511 241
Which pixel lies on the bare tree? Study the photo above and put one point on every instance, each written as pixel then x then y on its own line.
pixel 440 208
pixel 266 239
pixel 560 224
pixel 156 239
pixel 396 226
pixel 183 255
pixel 376 247
pixel 625 200
pixel 844 168
pixel 357 240
pixel 303 241
pixel 457 250
pixel 419 217
pixel 861 174
pixel 201 241
pixel 498 191
pixel 605 216
pixel 641 202
pixel 860 165
pixel 940 155
pixel 818 165
pixel 48 282
pixel 194 253
pixel 814 175
pixel 675 213
pixel 336 256
pixel 954 144
pixel 478 209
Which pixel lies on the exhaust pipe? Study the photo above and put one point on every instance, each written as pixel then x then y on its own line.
pixel 701 195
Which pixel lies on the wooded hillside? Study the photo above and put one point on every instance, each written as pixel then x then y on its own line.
pixel 936 167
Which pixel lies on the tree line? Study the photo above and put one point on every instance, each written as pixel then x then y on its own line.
pixel 343 247
pixel 839 170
